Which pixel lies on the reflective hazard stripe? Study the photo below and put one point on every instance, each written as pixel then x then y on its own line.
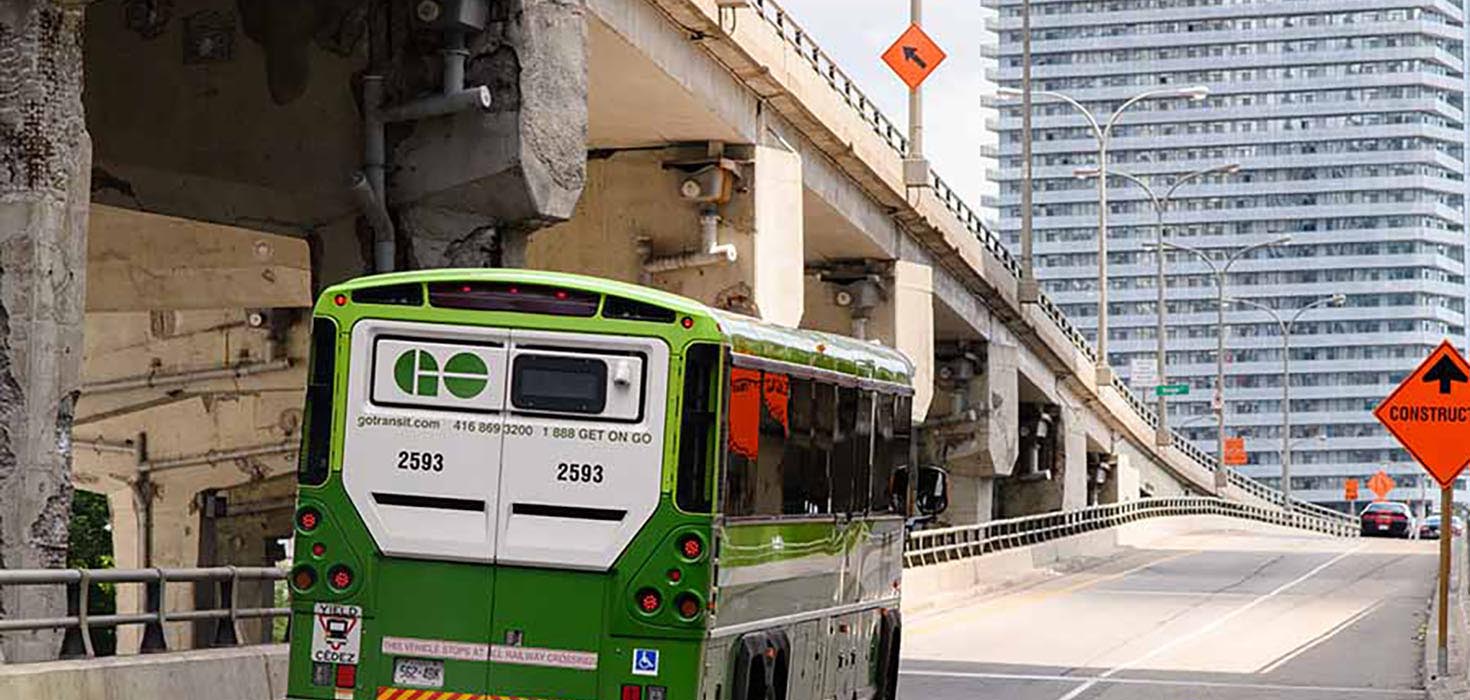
pixel 389 693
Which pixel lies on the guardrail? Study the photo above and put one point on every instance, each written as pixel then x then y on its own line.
pixel 78 622
pixel 926 547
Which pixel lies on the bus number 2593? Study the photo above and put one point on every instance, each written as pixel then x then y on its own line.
pixel 581 473
pixel 421 461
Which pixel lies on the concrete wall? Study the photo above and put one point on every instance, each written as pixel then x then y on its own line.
pixel 244 673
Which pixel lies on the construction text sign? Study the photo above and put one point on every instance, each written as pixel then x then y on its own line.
pixel 1430 413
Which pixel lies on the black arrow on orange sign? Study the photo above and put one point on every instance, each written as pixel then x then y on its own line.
pixel 912 54
pixel 1445 372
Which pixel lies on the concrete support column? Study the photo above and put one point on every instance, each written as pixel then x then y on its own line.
pixel 896 309
pixel 971 499
pixel 45 166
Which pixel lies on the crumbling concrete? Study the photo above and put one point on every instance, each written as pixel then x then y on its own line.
pixel 45 161
pixel 469 188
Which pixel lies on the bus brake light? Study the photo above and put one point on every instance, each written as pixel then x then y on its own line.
pixel 308 518
pixel 632 692
pixel 688 606
pixel 649 600
pixel 346 676
pixel 691 547
pixel 340 577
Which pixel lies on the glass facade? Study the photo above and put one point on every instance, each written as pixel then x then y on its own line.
pixel 1348 124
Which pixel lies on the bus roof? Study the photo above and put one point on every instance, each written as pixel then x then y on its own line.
pixel 747 335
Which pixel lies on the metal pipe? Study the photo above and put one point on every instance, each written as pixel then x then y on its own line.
pixel 712 252
pixel 374 160
pixel 455 54
pixel 1104 373
pixel 439 105
pixel 916 95
pixel 374 211
pixel 158 380
pixel 214 456
pixel 1029 291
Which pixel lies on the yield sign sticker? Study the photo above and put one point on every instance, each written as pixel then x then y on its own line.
pixel 1430 413
pixel 914 56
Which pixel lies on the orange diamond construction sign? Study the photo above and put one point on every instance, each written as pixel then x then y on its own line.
pixel 1430 413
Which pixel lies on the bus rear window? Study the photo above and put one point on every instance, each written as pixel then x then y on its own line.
pixel 561 384
pixel 316 444
pixel 506 296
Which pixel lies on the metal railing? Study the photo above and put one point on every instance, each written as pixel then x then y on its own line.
pixel 79 621
pixel 925 547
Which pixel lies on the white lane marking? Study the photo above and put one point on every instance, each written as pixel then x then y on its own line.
pixel 1321 638
pixel 1215 624
pixel 1406 692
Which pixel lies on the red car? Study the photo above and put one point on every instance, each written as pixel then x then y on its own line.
pixel 1387 518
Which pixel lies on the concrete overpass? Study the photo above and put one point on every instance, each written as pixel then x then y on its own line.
pixel 599 114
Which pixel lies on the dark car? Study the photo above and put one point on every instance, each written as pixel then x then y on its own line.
pixel 1387 518
pixel 1429 529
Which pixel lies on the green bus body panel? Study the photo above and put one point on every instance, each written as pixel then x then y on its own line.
pixel 579 610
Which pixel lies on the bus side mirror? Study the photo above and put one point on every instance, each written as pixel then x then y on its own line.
pixel 931 493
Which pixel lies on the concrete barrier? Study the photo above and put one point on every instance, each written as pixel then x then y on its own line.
pixel 954 582
pixel 241 673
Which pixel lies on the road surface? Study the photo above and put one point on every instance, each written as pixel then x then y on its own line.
pixel 1216 615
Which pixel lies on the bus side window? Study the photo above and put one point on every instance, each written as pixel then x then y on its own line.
pixel 744 443
pixel 807 485
pixel 776 432
pixel 697 430
pixel 846 462
pixel 862 453
pixel 903 429
pixel 883 455
pixel 312 465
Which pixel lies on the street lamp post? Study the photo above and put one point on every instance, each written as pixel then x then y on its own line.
pixel 1160 205
pixel 1103 131
pixel 1220 270
pixel 1285 326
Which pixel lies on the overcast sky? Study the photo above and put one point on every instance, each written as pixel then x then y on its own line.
pixel 856 32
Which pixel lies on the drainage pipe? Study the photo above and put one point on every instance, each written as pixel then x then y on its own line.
pixel 712 251
pixel 452 99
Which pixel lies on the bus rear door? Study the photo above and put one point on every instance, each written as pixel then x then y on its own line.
pixel 421 463
pixel 582 463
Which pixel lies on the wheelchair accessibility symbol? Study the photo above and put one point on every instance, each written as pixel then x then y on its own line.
pixel 645 662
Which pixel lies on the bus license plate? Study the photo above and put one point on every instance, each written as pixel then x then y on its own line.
pixel 418 673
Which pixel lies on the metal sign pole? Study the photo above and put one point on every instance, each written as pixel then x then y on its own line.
pixel 1446 531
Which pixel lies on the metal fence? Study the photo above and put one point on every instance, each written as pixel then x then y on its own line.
pixel 938 545
pixel 79 622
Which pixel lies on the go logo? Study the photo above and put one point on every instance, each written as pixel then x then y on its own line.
pixel 417 372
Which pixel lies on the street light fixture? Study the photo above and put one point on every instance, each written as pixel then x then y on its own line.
pixel 1285 326
pixel 1162 437
pixel 1220 270
pixel 1103 131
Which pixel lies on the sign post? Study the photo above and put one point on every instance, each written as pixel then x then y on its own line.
pixel 913 57
pixel 1430 414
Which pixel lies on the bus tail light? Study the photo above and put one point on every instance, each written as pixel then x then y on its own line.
pixel 691 547
pixel 303 578
pixel 340 577
pixel 346 676
pixel 308 518
pixel 632 692
pixel 688 605
pixel 649 600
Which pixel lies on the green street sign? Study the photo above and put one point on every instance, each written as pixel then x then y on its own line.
pixel 1171 390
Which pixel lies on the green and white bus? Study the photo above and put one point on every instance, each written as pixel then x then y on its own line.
pixel 519 484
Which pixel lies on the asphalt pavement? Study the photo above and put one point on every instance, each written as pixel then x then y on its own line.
pixel 1206 616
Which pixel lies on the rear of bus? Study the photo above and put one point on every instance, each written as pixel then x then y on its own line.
pixel 486 502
